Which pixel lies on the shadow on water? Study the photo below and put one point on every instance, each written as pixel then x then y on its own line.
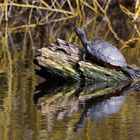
pixel 60 101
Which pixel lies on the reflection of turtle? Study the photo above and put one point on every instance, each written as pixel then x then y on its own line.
pixel 104 53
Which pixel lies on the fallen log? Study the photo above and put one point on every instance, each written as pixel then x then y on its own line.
pixel 63 60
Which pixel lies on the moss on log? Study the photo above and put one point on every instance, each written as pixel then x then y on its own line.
pixel 63 60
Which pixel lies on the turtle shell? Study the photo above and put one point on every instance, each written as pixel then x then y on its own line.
pixel 106 53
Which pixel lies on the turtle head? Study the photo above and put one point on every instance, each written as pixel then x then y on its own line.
pixel 82 35
pixel 79 31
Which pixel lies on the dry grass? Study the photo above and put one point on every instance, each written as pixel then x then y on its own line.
pixel 99 17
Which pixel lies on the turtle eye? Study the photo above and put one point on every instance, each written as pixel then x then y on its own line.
pixel 82 32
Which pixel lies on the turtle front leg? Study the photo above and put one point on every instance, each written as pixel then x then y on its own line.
pixel 84 57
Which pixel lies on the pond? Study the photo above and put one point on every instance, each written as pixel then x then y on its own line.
pixel 33 109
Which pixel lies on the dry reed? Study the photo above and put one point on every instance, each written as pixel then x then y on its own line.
pixel 93 15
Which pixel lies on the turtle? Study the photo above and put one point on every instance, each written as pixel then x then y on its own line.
pixel 105 54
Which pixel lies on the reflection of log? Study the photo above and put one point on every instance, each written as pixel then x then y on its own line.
pixel 63 60
pixel 75 101
pixel 67 99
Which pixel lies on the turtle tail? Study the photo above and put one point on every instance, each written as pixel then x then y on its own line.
pixel 131 72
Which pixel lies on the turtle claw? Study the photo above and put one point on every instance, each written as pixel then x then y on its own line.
pixel 136 75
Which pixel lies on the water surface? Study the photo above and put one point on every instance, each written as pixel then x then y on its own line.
pixel 55 116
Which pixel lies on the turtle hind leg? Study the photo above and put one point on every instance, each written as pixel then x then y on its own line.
pixel 131 72
pixel 83 57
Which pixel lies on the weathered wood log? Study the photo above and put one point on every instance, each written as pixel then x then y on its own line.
pixel 63 60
